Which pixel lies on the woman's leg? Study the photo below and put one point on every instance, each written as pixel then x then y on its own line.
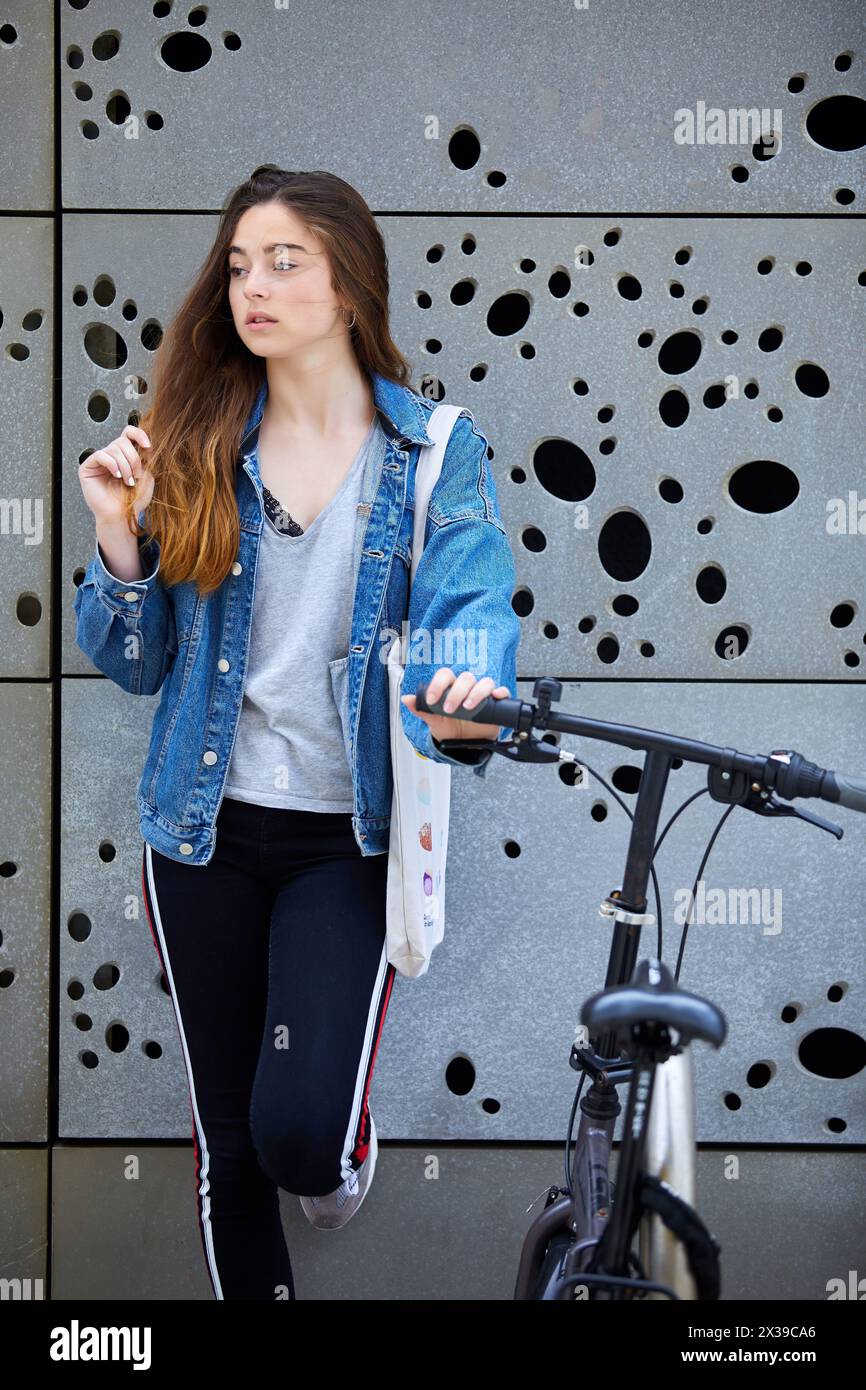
pixel 329 989
pixel 211 928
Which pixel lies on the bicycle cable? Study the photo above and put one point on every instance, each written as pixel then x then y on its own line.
pixel 722 818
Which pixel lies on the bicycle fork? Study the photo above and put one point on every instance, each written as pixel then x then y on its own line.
pixel 592 1233
pixel 590 1175
pixel 579 1219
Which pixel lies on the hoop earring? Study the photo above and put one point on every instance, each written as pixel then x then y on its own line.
pixel 354 317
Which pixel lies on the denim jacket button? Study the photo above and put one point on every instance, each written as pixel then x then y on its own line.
pixel 131 596
pixel 185 848
pixel 223 664
pixel 237 567
pixel 210 757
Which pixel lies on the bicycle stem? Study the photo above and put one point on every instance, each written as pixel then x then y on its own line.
pixel 632 897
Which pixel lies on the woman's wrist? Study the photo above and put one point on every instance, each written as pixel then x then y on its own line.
pixel 118 549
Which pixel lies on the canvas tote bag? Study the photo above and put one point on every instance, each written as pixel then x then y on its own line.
pixel 422 788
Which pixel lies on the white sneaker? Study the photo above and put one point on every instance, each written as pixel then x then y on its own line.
pixel 333 1210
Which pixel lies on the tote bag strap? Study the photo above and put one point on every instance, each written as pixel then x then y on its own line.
pixel 430 458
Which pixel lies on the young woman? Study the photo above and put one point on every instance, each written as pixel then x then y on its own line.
pixel 281 449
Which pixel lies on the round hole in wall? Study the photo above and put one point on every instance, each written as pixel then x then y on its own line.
pixel 679 352
pixel 533 539
pixel 460 1075
pixel 832 1052
pixel 508 314
pixel 629 287
pixel 763 486
pixel 79 926
pixel 760 1074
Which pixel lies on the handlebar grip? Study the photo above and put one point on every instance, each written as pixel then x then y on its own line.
pixel 799 777
pixel 850 791
pixel 802 778
pixel 487 711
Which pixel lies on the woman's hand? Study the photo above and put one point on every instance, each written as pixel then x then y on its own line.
pixel 107 476
pixel 465 691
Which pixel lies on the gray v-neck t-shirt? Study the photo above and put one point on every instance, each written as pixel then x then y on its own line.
pixel 290 749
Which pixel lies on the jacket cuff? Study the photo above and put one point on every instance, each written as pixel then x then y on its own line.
pixel 469 757
pixel 417 731
pixel 474 758
pixel 126 595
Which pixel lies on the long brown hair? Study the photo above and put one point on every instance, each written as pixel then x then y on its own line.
pixel 205 380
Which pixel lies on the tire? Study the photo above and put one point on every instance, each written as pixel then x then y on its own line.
pixel 670 1156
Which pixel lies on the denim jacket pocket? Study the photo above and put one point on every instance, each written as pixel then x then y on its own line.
pixel 339 672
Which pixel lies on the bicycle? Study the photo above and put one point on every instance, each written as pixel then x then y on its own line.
pixel 639 1028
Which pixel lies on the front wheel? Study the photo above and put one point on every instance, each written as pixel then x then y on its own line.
pixel 670 1156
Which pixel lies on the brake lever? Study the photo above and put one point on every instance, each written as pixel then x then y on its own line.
pixel 769 806
pixel 517 750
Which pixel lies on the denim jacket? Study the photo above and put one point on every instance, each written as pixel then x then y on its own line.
pixel 146 636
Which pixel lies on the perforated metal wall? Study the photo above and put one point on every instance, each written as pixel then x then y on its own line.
pixel 664 521
pixel 672 382
pixel 463 106
pixel 699 559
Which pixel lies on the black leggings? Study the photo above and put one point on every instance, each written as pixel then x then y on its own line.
pixel 274 956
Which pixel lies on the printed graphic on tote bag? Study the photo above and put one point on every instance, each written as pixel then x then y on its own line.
pixel 431 899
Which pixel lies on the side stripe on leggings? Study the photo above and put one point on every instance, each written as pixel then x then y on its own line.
pixel 201 1154
pixel 358 1129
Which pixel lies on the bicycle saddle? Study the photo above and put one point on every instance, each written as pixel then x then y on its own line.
pixel 654 996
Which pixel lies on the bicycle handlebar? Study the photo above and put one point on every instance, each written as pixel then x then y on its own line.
pixel 787 772
pixel 850 791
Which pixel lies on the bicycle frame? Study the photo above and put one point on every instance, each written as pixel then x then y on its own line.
pixel 586 1215
pixel 580 1237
